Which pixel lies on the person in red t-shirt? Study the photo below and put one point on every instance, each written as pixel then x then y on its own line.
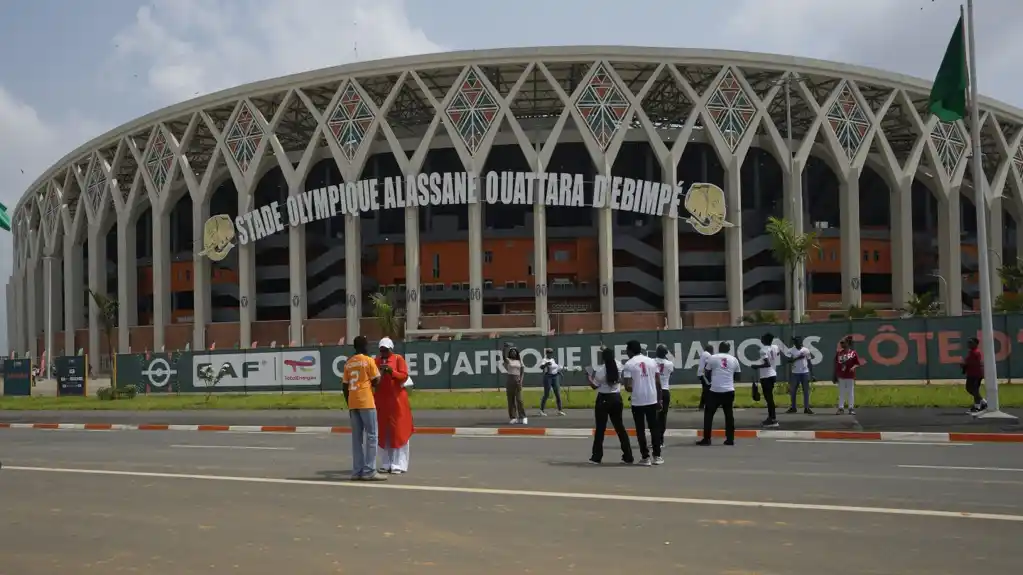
pixel 973 368
pixel 846 362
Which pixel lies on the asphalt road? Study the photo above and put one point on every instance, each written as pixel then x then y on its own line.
pixel 179 502
pixel 867 419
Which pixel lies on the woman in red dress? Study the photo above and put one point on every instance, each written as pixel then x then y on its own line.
pixel 394 414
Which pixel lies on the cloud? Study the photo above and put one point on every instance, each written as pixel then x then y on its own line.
pixel 185 48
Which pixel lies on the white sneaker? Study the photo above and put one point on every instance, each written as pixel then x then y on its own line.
pixel 524 420
pixel 561 412
pixel 513 422
pixel 658 460
pixel 543 413
pixel 645 462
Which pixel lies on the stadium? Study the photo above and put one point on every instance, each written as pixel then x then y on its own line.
pixel 886 185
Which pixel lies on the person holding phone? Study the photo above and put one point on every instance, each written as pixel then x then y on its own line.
pixel 361 378
pixel 799 356
pixel 768 375
pixel 394 413
pixel 701 373
pixel 605 379
pixel 846 362
pixel 641 380
pixel 513 384
pixel 665 367
pixel 722 371
pixel 551 381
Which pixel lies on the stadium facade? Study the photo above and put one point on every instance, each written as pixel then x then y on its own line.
pixel 886 184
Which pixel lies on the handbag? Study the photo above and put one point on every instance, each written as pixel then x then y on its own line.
pixel 756 392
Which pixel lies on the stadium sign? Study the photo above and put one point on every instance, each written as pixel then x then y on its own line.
pixel 704 202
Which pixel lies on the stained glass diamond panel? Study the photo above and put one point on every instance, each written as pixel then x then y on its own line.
pixel 731 109
pixel 95 185
pixel 243 137
pixel 159 158
pixel 950 144
pixel 473 111
pixel 848 122
pixel 602 107
pixel 350 121
pixel 1018 159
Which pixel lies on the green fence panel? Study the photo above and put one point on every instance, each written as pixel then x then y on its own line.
pixel 1014 344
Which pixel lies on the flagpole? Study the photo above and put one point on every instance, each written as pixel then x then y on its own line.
pixel 986 319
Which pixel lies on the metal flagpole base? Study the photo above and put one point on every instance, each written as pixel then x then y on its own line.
pixel 998 414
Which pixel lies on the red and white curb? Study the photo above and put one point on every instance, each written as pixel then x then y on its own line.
pixel 891 436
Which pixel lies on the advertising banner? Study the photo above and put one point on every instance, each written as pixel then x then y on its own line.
pixel 18 377
pixel 72 376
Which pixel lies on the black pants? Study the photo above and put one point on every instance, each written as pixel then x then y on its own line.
pixel 973 388
pixel 646 417
pixel 610 406
pixel 724 400
pixel 704 390
pixel 662 416
pixel 767 386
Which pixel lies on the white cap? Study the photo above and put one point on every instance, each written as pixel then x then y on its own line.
pixel 386 342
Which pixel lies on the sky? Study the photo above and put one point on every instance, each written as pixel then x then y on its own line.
pixel 72 70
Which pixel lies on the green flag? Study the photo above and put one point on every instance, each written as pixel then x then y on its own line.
pixel 5 218
pixel 948 96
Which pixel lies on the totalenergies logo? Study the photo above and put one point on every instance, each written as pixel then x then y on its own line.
pixel 305 363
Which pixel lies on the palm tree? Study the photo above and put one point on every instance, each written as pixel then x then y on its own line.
pixel 390 318
pixel 1010 300
pixel 922 305
pixel 107 318
pixel 760 317
pixel 791 248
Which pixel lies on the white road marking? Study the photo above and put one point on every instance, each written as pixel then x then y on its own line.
pixel 955 468
pixel 852 442
pixel 518 437
pixel 551 494
pixel 234 447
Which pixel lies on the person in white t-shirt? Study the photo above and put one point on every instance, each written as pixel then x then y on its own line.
pixel 799 356
pixel 551 381
pixel 701 372
pixel 641 380
pixel 606 379
pixel 722 371
pixel 768 375
pixel 665 367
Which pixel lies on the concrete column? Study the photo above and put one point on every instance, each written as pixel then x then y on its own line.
pixel 19 311
pixel 98 285
pixel 901 236
pixel 792 198
pixel 733 242
pixel 11 319
pixel 605 251
pixel 672 287
pixel 413 293
pixel 476 260
pixel 128 281
pixel 353 276
pixel 995 261
pixel 52 308
pixel 543 317
pixel 35 297
pixel 246 283
pixel 849 228
pixel 297 283
pixel 949 256
pixel 161 277
pixel 201 296
pixel 74 293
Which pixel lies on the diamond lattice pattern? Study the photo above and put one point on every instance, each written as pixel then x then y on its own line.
pixel 951 146
pixel 1018 159
pixel 243 137
pixel 472 111
pixel 602 106
pixel 159 159
pixel 350 121
pixel 848 122
pixel 96 185
pixel 731 109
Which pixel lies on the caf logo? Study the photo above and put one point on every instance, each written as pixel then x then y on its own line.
pixel 706 205
pixel 217 238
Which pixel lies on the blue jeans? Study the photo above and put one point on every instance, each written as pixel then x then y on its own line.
pixel 551 382
pixel 800 379
pixel 364 442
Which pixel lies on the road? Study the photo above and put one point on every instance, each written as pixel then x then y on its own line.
pixel 184 502
pixel 866 419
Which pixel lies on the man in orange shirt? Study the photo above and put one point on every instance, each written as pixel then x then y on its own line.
pixel 361 378
pixel 394 414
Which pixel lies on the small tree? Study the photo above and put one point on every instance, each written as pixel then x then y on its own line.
pixel 390 318
pixel 791 248
pixel 760 317
pixel 1010 300
pixel 211 379
pixel 922 305
pixel 107 319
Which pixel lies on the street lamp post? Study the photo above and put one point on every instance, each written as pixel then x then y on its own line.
pixel 945 301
